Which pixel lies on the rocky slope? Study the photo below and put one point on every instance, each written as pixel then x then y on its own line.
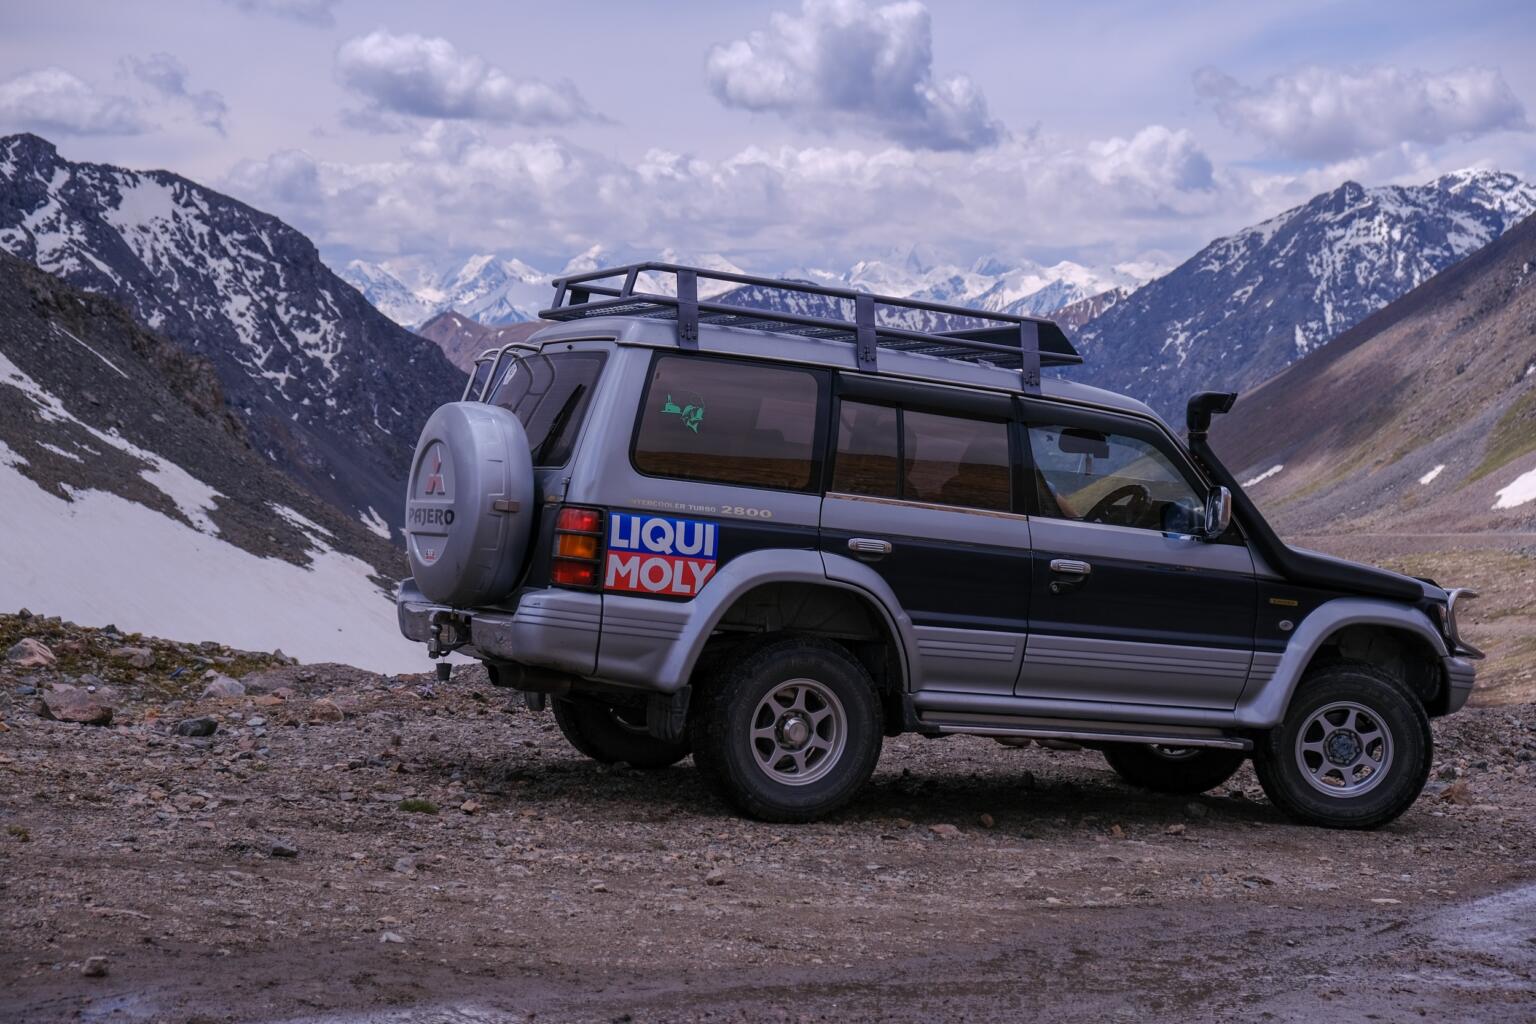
pixel 327 387
pixel 463 339
pixel 1248 305
pixel 1420 418
pixel 131 495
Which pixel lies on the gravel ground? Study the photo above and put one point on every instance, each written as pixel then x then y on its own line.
pixel 349 847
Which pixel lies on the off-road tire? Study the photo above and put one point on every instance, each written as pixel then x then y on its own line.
pixel 1397 712
pixel 728 704
pixel 1196 770
pixel 608 734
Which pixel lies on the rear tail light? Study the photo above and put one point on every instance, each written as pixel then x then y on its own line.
pixel 578 547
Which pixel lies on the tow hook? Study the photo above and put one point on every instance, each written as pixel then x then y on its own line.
pixel 450 631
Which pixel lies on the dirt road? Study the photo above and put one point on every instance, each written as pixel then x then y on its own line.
pixel 275 871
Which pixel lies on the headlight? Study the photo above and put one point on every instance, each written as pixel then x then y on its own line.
pixel 1458 595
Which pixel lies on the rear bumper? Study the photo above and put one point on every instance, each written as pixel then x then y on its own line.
pixel 1460 677
pixel 555 629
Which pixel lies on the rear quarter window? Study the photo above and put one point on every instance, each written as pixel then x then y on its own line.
pixel 729 422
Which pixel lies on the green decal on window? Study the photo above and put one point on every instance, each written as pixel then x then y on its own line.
pixel 692 414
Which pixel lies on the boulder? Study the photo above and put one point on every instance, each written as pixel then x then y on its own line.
pixel 30 653
pixel 220 685
pixel 138 657
pixel 65 703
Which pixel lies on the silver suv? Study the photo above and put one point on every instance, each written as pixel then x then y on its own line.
pixel 770 537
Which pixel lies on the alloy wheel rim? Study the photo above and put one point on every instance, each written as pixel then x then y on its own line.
pixel 1344 749
pixel 798 732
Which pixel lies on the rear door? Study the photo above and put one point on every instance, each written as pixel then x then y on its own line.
pixel 923 488
pixel 1128 605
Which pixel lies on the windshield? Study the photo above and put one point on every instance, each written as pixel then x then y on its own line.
pixel 550 395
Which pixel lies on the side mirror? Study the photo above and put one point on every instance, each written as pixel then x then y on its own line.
pixel 1218 513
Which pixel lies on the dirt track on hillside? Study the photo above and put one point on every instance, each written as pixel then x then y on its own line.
pixel 545 884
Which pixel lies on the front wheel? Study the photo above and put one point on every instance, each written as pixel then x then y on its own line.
pixel 609 734
pixel 791 732
pixel 1354 750
pixel 1164 769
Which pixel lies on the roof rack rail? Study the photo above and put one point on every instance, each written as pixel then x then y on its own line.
pixel 1022 342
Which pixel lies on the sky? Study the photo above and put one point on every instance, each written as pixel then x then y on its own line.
pixel 783 133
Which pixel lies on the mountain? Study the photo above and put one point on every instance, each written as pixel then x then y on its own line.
pixel 327 387
pixel 132 496
pixel 463 339
pixel 1421 419
pixel 496 290
pixel 1248 305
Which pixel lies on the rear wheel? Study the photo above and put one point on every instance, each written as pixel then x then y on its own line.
pixel 791 732
pixel 1354 750
pixel 1165 769
pixel 608 734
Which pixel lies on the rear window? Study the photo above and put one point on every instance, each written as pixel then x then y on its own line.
pixel 921 456
pixel 730 423
pixel 550 395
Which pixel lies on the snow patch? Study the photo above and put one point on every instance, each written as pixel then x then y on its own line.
pixel 1430 476
pixel 306 525
pixel 10 457
pixel 376 523
pixel 59 451
pixel 1521 490
pixel 1271 471
pixel 150 573
pixel 110 365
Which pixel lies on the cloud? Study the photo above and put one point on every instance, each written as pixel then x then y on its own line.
pixel 318 13
pixel 453 189
pixel 53 101
pixel 1319 113
pixel 168 76
pixel 423 76
pixel 848 63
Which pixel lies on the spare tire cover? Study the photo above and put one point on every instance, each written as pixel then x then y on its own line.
pixel 469 506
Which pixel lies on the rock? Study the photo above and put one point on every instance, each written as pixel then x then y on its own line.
pixel 601 887
pixel 1174 830
pixel 405 866
pixel 222 686
pixel 94 967
pixel 325 710
pixel 30 653
pixel 283 848
pixel 986 821
pixel 197 726
pixel 715 877
pixel 391 937
pixel 944 830
pixel 469 806
pixel 1458 792
pixel 66 703
pixel 255 721
pixel 1195 810
pixel 138 657
pixel 24 614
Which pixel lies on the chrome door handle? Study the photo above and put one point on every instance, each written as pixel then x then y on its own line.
pixel 869 547
pixel 1071 566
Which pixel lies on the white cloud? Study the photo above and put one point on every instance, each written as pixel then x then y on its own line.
pixel 1320 113
pixel 309 12
pixel 424 76
pixel 453 189
pixel 168 76
pixel 850 63
pixel 53 101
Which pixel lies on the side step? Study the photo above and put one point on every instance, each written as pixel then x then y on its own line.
pixel 1080 732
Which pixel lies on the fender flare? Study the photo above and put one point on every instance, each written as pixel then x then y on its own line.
pixel 1263 704
pixel 690 623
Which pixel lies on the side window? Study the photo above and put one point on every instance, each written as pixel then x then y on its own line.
pixel 955 461
pixel 730 423
pixel 1103 477
pixel 921 456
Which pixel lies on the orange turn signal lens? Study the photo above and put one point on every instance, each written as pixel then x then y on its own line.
pixel 575 545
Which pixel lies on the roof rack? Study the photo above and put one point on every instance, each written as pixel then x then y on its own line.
pixel 1021 342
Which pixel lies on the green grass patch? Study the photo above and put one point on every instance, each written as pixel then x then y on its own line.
pixel 1514 436
pixel 19 833
pixel 418 806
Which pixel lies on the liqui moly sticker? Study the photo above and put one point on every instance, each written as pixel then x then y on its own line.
pixel 659 555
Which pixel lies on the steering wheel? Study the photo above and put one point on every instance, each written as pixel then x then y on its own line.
pixel 1136 497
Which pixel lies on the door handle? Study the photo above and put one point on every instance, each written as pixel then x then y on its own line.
pixel 1071 566
pixel 869 547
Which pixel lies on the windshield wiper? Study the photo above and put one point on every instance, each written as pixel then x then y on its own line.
pixel 557 425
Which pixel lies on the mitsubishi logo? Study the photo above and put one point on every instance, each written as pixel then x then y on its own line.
pixel 435 483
